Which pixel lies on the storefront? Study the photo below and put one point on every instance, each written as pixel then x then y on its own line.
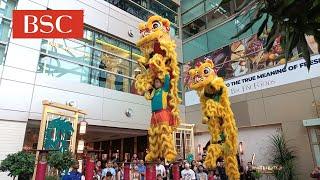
pixel 104 142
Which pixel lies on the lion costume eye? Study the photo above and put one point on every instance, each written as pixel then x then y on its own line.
pixel 156 24
pixel 206 70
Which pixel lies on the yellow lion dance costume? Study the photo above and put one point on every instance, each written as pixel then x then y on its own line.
pixel 159 62
pixel 217 113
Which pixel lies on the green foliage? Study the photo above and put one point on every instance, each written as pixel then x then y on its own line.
pixel 291 19
pixel 257 175
pixel 52 178
pixel 18 164
pixel 283 157
pixel 61 160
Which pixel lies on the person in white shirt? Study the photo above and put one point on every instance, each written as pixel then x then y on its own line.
pixel 187 173
pixel 161 169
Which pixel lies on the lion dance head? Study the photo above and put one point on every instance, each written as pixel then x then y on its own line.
pixel 202 75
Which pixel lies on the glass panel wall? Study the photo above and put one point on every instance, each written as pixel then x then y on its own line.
pixel 4 29
pixel 2 53
pixel 206 14
pixel 6 7
pixel 217 37
pixel 97 59
pixel 145 8
pixel 193 13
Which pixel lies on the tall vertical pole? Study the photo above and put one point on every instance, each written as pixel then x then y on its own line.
pixel 151 173
pixel 89 168
pixel 126 173
pixel 176 171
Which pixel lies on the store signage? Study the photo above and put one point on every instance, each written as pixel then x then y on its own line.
pixel 268 78
pixel 47 24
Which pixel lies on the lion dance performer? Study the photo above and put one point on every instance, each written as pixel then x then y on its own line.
pixel 159 83
pixel 217 113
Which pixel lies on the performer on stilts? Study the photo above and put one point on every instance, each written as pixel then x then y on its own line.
pixel 217 114
pixel 159 83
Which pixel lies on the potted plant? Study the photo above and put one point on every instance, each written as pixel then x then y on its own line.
pixel 283 156
pixel 20 164
pixel 60 161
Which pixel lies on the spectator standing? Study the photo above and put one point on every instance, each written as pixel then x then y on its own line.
pixel 187 173
pixel 120 174
pixel 135 175
pixel 160 169
pixel 159 177
pixel 115 167
pixel 73 174
pixel 98 170
pixel 194 165
pixel 103 162
pixel 109 176
pixel 221 170
pixel 109 169
pixel 249 173
pixel 315 173
pixel 201 175
pixel 181 166
pixel 142 169
pixel 134 157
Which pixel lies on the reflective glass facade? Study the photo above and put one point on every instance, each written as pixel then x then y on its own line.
pixel 6 7
pixel 145 8
pixel 217 37
pixel 200 15
pixel 98 59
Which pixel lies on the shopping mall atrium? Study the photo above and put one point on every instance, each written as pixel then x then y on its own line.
pixel 93 80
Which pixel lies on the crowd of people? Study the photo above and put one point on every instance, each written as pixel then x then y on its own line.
pixel 194 170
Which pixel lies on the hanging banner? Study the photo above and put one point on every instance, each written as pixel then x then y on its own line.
pixel 268 78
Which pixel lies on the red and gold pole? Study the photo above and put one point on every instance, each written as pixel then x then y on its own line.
pixel 89 168
pixel 41 170
pixel 175 171
pixel 151 173
pixel 126 173
pixel 41 165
